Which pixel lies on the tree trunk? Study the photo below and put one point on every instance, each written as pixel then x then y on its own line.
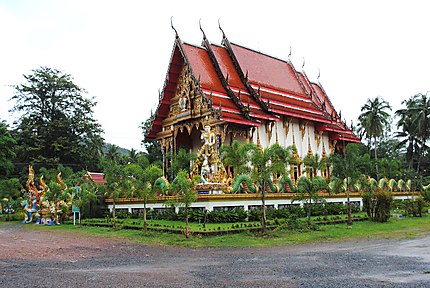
pixel 145 226
pixel 309 212
pixel 376 159
pixel 113 213
pixel 263 204
pixel 187 232
pixel 348 207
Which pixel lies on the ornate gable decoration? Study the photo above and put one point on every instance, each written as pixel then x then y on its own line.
pixel 185 93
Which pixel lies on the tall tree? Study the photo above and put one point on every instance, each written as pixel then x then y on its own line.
pixel 133 156
pixel 309 193
pixel 56 123
pixel 112 153
pixel 350 166
pixel 181 161
pixel 183 187
pixel 7 154
pixel 267 164
pixel 374 120
pixel 116 183
pixel 153 148
pixel 415 123
pixel 141 180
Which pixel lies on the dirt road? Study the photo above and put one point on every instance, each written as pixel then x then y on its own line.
pixel 41 258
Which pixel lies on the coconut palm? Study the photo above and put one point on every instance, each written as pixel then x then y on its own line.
pixel 374 120
pixel 133 156
pixel 415 124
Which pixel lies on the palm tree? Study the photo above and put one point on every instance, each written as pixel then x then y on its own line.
pixel 309 191
pixel 141 180
pixel 374 119
pixel 422 120
pixel 415 123
pixel 267 163
pixel 184 188
pixel 181 161
pixel 237 157
pixel 408 130
pixel 133 156
pixel 314 163
pixel 112 152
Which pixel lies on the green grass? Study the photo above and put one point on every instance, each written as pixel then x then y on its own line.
pixel 405 228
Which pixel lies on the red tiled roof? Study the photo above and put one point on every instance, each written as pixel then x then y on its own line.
pixel 271 87
pixel 98 178
pixel 261 70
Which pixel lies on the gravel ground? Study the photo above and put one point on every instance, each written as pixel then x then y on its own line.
pixel 35 258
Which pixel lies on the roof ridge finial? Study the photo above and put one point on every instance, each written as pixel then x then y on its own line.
pixel 319 75
pixel 289 55
pixel 222 31
pixel 201 29
pixel 171 24
pixel 303 65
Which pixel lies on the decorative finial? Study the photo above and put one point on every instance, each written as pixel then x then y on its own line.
pixel 303 65
pixel 289 55
pixel 222 31
pixel 176 32
pixel 319 74
pixel 201 29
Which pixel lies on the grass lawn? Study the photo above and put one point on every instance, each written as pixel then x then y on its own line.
pixel 405 228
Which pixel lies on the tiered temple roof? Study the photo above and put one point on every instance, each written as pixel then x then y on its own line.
pixel 245 87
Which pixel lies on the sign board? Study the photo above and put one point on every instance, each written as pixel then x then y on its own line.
pixel 75 209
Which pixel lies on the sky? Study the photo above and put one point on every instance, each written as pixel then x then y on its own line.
pixel 119 51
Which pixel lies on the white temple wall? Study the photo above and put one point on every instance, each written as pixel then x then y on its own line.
pixel 285 138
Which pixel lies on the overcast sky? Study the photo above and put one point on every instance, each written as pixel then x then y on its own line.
pixel 119 51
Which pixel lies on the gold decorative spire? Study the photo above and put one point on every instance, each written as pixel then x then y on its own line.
pixel 258 140
pixel 309 146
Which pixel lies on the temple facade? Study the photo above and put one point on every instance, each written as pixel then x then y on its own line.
pixel 245 95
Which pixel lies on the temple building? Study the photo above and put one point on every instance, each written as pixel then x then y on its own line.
pixel 215 94
pixel 241 94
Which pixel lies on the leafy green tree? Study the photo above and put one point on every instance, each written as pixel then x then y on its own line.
pixel 374 120
pixel 116 183
pixel 414 123
pixel 141 184
pixel 267 163
pixel 7 154
pixel 83 195
pixel 112 153
pixel 314 163
pixel 350 166
pixel 308 193
pixel 56 123
pixel 181 161
pixel 183 187
pixel 133 156
pixel 153 148
pixel 237 157
pixel 9 190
